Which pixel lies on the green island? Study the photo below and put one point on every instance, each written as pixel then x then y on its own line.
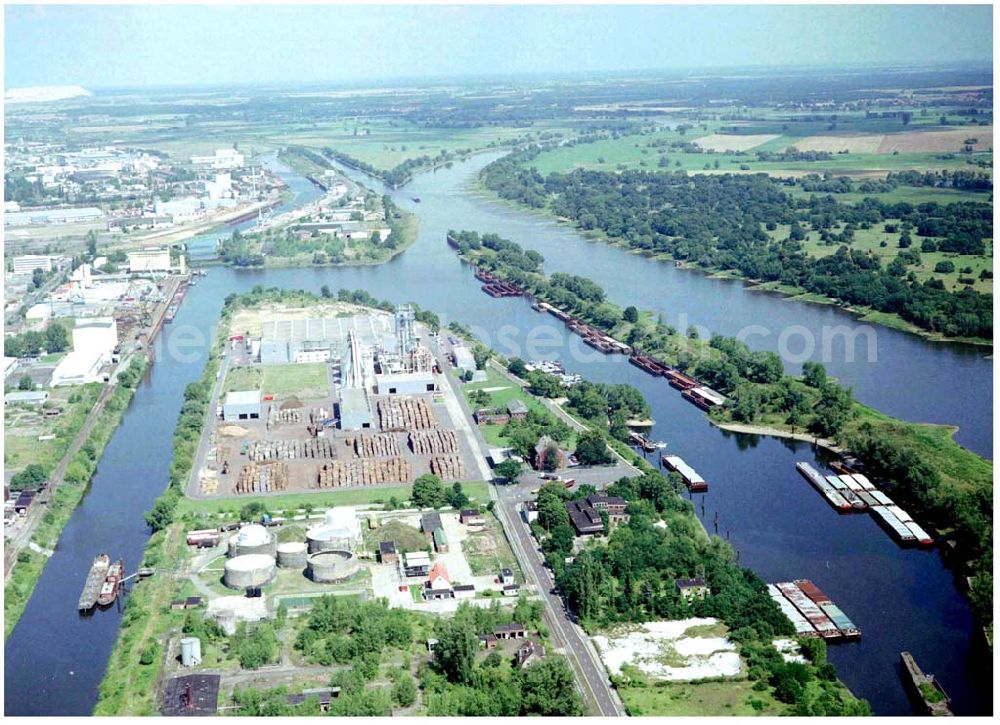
pixel 945 483
pixel 924 267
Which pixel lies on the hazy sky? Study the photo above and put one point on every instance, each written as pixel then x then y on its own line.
pixel 125 46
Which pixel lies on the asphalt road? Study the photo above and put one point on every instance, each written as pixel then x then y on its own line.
pixel 591 676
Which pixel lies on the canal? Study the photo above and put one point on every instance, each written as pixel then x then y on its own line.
pixel 902 599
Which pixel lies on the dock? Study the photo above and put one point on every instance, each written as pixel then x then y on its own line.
pixel 925 690
pixel 94 583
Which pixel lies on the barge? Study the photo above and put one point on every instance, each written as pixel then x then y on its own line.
pixel 924 688
pixel 94 583
pixel 648 364
pixel 704 397
pixel 896 528
pixel 841 487
pixel 820 483
pixel 112 582
pixel 692 479
pixel 801 624
pixel 847 628
pixel 810 610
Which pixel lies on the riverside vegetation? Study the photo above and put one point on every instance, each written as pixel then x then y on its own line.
pixel 726 222
pixel 917 464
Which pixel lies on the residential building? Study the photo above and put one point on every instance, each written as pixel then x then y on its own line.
pixel 471 517
pixel 584 518
pixel 528 653
pixel 692 589
pixel 438 585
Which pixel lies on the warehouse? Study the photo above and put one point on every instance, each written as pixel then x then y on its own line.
pixel 405 383
pixel 281 341
pixel 150 259
pixel 355 409
pixel 241 405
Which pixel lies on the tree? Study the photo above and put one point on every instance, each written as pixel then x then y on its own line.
pixel 25 383
pixel 324 291
pixel 814 374
pixel 32 476
pixel 92 244
pixel 517 367
pixel 455 651
pixel 37 277
pixel 457 497
pixel 56 338
pixel 592 449
pixel 548 688
pixel 508 469
pixel 631 314
pixel 428 492
pixel 832 410
pixel 404 692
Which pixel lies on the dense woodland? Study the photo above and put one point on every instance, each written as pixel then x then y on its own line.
pixel 722 222
pixel 947 486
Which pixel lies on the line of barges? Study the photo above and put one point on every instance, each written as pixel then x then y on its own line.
pixel 855 492
pixel 811 611
pixel 692 479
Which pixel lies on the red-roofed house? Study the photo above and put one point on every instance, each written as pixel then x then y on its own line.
pixel 438 583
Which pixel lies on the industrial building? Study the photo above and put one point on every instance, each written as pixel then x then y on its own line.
pixel 150 259
pixel 222 159
pixel 318 340
pixel 96 335
pixel 94 340
pixel 241 405
pixel 28 263
pixel 52 216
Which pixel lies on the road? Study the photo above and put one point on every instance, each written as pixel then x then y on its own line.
pixel 204 443
pixel 600 697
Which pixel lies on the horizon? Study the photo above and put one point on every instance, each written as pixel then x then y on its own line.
pixel 163 47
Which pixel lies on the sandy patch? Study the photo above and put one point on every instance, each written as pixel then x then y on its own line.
pixel 940 140
pixel 733 142
pixel 859 144
pixel 232 431
pixel 663 651
pixel 790 650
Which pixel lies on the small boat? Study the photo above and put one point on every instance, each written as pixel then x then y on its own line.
pixel 416 199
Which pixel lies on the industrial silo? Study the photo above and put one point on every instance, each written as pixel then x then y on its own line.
pixel 340 530
pixel 329 567
pixel 292 555
pixel 252 539
pixel 249 570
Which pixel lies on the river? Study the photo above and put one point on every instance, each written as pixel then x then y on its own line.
pixel 902 599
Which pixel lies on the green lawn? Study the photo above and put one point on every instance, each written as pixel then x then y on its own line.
pixel 242 378
pixel 499 399
pixel 476 490
pixel 672 699
pixel 303 380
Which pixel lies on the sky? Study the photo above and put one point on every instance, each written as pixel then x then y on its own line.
pixel 138 46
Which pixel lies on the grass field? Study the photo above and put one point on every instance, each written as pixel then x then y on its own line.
pixel 303 380
pixel 24 424
pixel 672 699
pixel 476 490
pixel 243 378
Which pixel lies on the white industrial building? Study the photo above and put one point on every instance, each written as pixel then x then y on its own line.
pixel 464 359
pixel 28 263
pixel 150 259
pixel 241 405
pixel 78 368
pixel 221 159
pixel 95 336
pixel 405 383
pixel 221 187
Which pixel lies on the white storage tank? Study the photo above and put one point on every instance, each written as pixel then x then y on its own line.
pixel 190 651
pixel 340 530
pixel 292 555
pixel 331 566
pixel 252 539
pixel 249 570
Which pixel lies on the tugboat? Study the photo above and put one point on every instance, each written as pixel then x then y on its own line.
pixel 113 580
pixel 95 582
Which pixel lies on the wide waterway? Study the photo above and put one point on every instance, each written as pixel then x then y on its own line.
pixel 902 599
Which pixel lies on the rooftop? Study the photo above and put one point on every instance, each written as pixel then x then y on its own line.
pixel 243 397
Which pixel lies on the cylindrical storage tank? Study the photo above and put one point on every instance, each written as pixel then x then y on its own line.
pixel 324 538
pixel 331 566
pixel 249 570
pixel 292 555
pixel 190 651
pixel 252 539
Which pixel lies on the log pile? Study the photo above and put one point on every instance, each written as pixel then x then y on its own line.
pixel 403 413
pixel 363 472
pixel 380 445
pixel 432 442
pixel 283 417
pixel 262 477
pixel 448 468
pixel 291 450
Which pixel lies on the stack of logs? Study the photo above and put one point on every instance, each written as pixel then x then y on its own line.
pixel 429 442
pixel 262 477
pixel 291 450
pixel 283 417
pixel 338 474
pixel 448 468
pixel 405 414
pixel 378 445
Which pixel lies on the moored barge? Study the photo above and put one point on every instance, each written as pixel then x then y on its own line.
pixel 95 581
pixel 820 483
pixel 692 479
pixel 112 582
